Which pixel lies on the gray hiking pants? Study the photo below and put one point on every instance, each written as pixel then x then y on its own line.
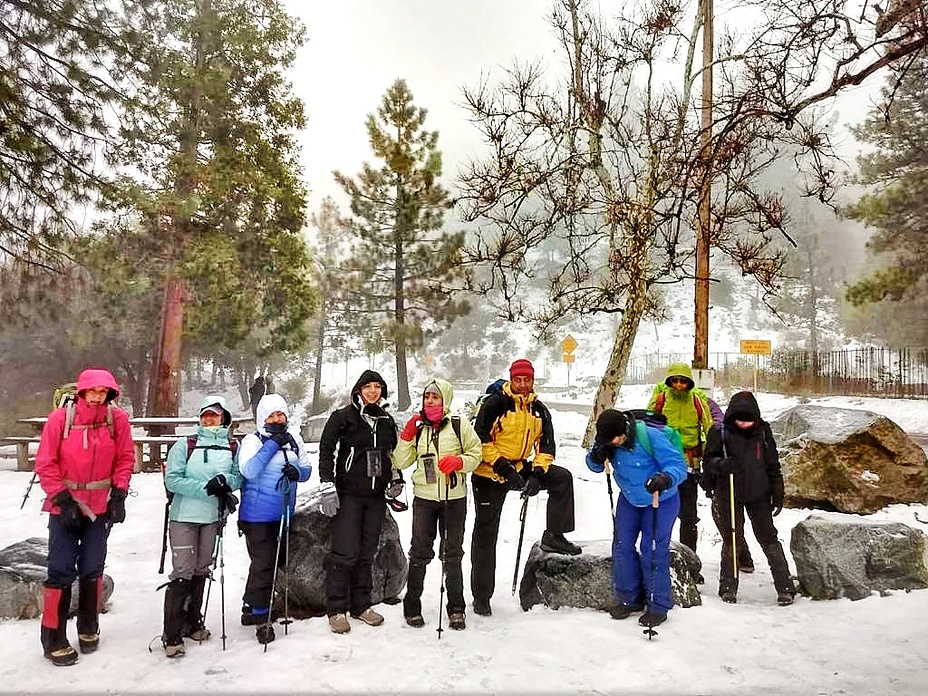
pixel 192 547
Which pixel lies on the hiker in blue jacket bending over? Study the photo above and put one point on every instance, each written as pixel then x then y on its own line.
pixel 272 461
pixel 648 474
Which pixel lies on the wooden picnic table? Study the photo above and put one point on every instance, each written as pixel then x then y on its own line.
pixel 159 435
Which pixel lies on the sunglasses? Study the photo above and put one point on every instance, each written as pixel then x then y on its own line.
pixel 677 380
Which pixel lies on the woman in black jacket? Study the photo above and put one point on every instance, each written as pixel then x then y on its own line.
pixel 743 450
pixel 355 467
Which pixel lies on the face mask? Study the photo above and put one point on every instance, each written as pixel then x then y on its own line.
pixel 275 428
pixel 434 414
pixel 213 429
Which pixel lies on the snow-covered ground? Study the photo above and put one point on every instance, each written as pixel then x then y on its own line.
pixel 873 646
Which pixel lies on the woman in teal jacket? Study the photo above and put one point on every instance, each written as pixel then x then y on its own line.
pixel 200 476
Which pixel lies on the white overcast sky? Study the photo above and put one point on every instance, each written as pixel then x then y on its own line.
pixel 357 48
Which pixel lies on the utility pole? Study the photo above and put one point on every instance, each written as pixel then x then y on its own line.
pixel 703 234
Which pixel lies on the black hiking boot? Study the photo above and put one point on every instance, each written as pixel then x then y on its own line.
pixel 415 621
pixel 651 620
pixel 623 611
pixel 265 634
pixel 456 621
pixel 555 542
pixel 784 599
pixel 482 607
pixel 729 597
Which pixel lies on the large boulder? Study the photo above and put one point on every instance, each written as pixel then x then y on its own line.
pixel 848 460
pixel 585 580
pixel 847 556
pixel 22 580
pixel 310 543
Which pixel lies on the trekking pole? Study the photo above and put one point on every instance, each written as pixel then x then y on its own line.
pixel 443 550
pixel 28 491
pixel 655 501
pixel 286 621
pixel 522 516
pixel 609 486
pixel 222 568
pixel 280 532
pixel 734 542
pixel 164 536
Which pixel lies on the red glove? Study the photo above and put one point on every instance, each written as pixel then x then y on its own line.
pixel 411 428
pixel 450 463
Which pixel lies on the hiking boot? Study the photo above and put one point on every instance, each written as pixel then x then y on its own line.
pixel 651 620
pixel 252 618
pixel 698 578
pixel 415 621
pixel 369 616
pixel 729 597
pixel 784 599
pixel 265 634
pixel 482 607
pixel 339 623
pixel 62 657
pixel 746 569
pixel 556 543
pixel 623 611
pixel 199 634
pixel 456 621
pixel 88 642
pixel 174 650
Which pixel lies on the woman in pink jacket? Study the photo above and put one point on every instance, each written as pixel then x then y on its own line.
pixel 84 462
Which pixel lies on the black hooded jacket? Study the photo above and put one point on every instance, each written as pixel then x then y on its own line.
pixel 759 476
pixel 350 434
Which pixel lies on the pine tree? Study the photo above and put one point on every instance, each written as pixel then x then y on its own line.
pixel 405 265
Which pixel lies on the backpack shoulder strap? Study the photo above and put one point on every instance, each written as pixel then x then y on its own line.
pixel 68 418
pixel 456 427
pixel 191 445
pixel 697 402
pixel 659 402
pixel 644 438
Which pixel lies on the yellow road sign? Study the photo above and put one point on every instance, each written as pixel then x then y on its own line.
pixel 568 358
pixel 569 345
pixel 756 347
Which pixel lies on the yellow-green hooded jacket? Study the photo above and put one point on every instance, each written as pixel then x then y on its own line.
pixel 680 409
pixel 408 452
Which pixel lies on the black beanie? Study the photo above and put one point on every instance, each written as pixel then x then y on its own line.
pixel 609 425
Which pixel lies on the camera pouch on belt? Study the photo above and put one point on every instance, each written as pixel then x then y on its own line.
pixel 428 465
pixel 374 461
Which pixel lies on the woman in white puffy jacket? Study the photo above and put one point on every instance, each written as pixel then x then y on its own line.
pixel 272 461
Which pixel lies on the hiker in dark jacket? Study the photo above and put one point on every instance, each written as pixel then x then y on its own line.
pixel 744 450
pixel 356 467
pixel 84 462
pixel 273 460
pixel 200 475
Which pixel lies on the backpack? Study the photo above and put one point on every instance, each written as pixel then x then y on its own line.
pixel 645 419
pixel 492 388
pixel 65 397
pixel 717 416
pixel 455 426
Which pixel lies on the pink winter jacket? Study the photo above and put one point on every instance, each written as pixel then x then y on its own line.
pixel 90 461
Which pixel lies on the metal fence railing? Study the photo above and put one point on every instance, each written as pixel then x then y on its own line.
pixel 887 372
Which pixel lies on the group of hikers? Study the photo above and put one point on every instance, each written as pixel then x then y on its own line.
pixel 86 458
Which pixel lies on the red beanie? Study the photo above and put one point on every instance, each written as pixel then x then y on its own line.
pixel 521 367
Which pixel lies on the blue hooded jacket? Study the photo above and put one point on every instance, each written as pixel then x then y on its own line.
pixel 262 460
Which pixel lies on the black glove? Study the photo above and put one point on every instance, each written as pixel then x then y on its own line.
pixel 659 482
pixel 281 438
pixel 776 499
pixel 503 467
pixel 600 453
pixel 217 485
pixel 394 489
pixel 727 465
pixel 533 483
pixel 70 516
pixel 291 472
pixel 117 505
pixel 230 502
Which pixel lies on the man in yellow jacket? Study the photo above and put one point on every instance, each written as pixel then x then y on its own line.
pixel 518 454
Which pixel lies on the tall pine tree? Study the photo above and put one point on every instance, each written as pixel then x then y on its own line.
pixel 405 264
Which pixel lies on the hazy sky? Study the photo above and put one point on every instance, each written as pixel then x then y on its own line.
pixel 357 48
